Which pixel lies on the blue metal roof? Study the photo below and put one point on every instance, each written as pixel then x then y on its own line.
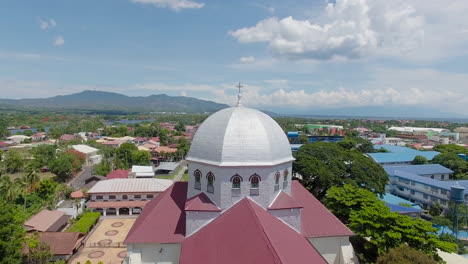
pixel 389 198
pixel 402 209
pixel 446 185
pixel 395 149
pixel 418 169
pixel 385 157
pixel 295 147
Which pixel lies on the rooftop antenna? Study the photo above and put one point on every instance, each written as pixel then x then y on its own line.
pixel 239 95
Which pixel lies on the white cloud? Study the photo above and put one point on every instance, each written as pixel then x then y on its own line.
pixel 176 5
pixel 59 41
pixel 249 59
pixel 45 24
pixel 359 28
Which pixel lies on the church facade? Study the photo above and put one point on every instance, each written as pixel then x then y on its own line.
pixel 240 204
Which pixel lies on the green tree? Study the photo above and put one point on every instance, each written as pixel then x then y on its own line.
pixel 44 154
pixel 451 148
pixel 102 168
pixel 436 209
pixel 453 162
pixel 8 188
pixel 11 234
pixel 38 251
pixel 1 155
pixel 123 155
pixel 140 157
pixel 13 161
pixel 183 147
pixel 386 230
pixel 347 144
pixel 323 165
pixel 47 188
pixel 419 160
pixel 405 255
pixel 341 201
pixel 64 165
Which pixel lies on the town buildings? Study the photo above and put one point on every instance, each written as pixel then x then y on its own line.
pixel 92 156
pixel 240 204
pixel 397 155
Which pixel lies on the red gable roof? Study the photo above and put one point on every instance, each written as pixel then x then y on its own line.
pixel 247 233
pixel 284 201
pixel 162 219
pixel 201 202
pixel 67 137
pixel 118 174
pixel 316 220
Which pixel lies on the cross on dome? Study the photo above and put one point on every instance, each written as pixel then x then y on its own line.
pixel 239 95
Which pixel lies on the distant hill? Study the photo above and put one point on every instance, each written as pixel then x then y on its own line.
pixel 108 101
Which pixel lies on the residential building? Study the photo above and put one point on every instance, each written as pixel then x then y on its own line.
pixel 118 174
pixel 46 221
pixel 240 204
pixel 18 139
pixel 92 156
pixel 141 172
pixel 62 244
pixel 125 196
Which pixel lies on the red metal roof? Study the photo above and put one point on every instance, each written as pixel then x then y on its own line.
pixel 201 202
pixel 117 204
pixel 247 233
pixel 284 201
pixel 316 220
pixel 77 194
pixel 118 174
pixel 162 219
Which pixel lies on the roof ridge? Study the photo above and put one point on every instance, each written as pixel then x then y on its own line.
pixel 259 224
pixel 224 134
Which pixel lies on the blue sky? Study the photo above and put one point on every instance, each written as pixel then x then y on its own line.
pixel 292 56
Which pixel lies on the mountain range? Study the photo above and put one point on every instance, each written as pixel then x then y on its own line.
pixel 108 101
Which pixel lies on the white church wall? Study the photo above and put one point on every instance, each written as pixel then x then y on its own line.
pixel 292 217
pixel 196 220
pixel 335 250
pixel 154 253
pixel 222 195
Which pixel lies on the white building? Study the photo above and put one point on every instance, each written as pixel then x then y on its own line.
pixel 92 156
pixel 239 205
pixel 141 172
pixel 18 138
pixel 125 196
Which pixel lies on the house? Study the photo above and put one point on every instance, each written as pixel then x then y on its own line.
pixel 47 221
pixel 166 167
pixel 92 156
pixel 125 196
pixel 18 139
pixel 239 205
pixel 41 136
pixel 141 172
pixel 118 174
pixel 67 137
pixel 62 244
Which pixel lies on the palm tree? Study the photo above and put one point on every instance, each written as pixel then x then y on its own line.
pixel 27 183
pixel 8 188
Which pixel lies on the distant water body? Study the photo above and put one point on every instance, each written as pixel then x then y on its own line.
pixel 440 119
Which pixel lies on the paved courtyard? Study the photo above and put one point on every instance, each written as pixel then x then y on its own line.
pixel 105 243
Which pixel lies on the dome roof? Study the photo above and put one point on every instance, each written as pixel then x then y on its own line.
pixel 240 136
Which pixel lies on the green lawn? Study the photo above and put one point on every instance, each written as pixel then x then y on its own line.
pixel 184 177
pixel 164 176
pixel 86 222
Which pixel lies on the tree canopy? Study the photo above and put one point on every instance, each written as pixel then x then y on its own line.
pixel 11 234
pixel 323 165
pixel 370 218
pixel 419 160
pixel 405 255
pixel 453 162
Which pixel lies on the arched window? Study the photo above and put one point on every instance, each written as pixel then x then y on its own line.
pixel 285 178
pixel 236 185
pixel 277 178
pixel 210 180
pixel 197 174
pixel 254 184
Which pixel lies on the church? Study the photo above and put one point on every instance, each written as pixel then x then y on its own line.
pixel 239 205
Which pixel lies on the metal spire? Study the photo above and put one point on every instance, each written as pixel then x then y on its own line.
pixel 239 95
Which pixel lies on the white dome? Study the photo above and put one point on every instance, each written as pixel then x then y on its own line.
pixel 240 136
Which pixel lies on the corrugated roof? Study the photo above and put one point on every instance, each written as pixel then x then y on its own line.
pixel 393 199
pixel 47 220
pixel 132 185
pixel 201 202
pixel 169 166
pixel 84 149
pixel 247 233
pixel 385 157
pixel 403 209
pixel 117 204
pixel 162 219
pixel 284 201
pixel 422 169
pixel 446 185
pixel 118 174
pixel 316 220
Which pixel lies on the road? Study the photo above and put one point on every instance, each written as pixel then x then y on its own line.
pixel 79 181
pixel 180 174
